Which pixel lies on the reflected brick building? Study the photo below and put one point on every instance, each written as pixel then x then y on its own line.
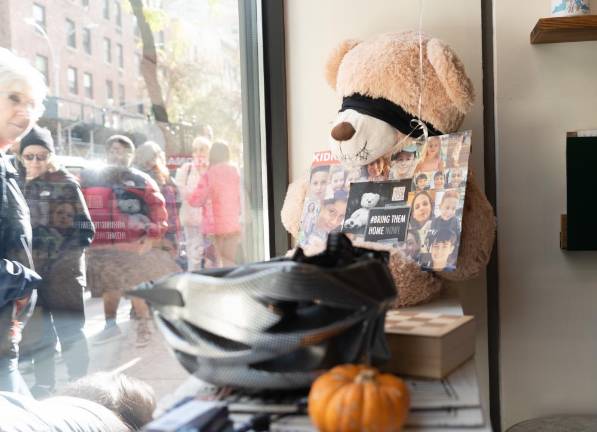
pixel 89 53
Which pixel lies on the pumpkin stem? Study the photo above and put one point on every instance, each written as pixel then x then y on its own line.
pixel 366 375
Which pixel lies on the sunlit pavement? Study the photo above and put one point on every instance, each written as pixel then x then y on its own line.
pixel 153 363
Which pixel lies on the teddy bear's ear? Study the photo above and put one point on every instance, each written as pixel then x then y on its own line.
pixel 334 59
pixel 450 71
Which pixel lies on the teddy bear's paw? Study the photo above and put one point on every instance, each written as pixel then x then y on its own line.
pixel 477 237
pixel 292 209
pixel 414 286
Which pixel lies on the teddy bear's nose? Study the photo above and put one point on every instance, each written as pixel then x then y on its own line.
pixel 343 131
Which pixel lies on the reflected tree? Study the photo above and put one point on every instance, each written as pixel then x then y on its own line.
pixel 194 78
pixel 149 71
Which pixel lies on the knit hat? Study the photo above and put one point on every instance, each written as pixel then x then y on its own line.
pixel 38 136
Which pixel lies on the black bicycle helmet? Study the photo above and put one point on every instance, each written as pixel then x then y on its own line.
pixel 276 324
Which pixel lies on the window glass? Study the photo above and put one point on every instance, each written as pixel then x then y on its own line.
pixel 71 34
pixel 121 95
pixel 135 27
pixel 110 92
pixel 118 13
pixel 181 187
pixel 88 85
pixel 39 15
pixel 106 9
pixel 137 62
pixel 107 50
pixel 120 54
pixel 73 86
pixel 41 64
pixel 87 40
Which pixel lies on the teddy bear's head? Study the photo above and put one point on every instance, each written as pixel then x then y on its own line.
pixel 379 82
pixel 369 200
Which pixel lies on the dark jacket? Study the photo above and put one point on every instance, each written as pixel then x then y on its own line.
pixel 171 193
pixel 125 205
pixel 17 279
pixel 62 228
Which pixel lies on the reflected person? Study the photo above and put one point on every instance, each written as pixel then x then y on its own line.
pixel 129 215
pixel 62 229
pixel 151 159
pixel 220 186
pixel 187 177
pixel 22 91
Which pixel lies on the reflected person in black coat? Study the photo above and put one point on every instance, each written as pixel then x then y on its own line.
pixel 22 91
pixel 62 229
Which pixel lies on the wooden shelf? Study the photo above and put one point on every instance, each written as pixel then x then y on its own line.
pixel 565 29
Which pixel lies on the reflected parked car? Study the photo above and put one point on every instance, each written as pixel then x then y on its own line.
pixel 76 164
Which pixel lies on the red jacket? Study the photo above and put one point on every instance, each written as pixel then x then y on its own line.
pixel 125 204
pixel 220 187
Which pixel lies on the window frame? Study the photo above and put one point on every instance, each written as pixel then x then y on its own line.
pixel 265 112
pixel 276 119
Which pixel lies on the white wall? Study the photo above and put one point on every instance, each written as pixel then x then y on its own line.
pixel 548 297
pixel 315 27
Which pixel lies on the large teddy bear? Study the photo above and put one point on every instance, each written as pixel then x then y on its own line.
pixel 380 84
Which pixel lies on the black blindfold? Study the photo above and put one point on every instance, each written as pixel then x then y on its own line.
pixel 388 112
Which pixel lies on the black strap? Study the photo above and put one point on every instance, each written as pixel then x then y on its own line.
pixel 387 111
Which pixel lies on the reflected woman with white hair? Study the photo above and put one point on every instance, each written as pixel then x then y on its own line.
pixel 187 177
pixel 22 91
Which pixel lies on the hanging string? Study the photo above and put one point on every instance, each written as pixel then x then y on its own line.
pixel 420 58
pixel 417 123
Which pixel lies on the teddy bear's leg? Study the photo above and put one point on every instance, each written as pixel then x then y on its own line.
pixel 292 209
pixel 477 237
pixel 414 285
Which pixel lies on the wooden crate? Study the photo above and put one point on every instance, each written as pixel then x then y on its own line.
pixel 428 344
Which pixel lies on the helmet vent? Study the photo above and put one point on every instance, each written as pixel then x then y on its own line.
pixel 310 317
pixel 197 336
pixel 216 340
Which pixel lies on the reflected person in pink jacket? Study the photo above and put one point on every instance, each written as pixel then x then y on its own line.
pixel 220 187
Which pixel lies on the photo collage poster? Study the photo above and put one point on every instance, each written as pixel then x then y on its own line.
pixel 411 199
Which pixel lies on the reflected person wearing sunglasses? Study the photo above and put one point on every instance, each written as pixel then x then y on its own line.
pixel 36 154
pixel 41 157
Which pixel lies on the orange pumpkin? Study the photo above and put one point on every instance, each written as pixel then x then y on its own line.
pixel 358 398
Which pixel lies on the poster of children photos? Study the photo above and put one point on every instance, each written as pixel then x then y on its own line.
pixel 411 199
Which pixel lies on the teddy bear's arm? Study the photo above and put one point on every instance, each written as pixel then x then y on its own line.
pixel 477 237
pixel 292 209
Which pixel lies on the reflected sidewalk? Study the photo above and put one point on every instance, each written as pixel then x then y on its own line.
pixel 153 363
